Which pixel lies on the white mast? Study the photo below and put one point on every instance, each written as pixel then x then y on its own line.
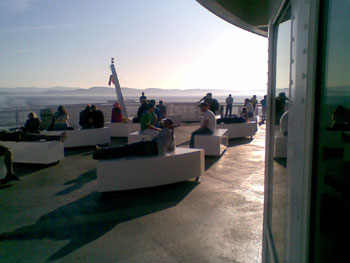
pixel 118 89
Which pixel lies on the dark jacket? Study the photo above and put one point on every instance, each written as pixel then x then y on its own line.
pixel 98 120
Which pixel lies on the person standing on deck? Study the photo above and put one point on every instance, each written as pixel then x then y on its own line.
pixel 229 102
pixel 263 108
pixel 142 97
pixel 162 109
pixel 207 123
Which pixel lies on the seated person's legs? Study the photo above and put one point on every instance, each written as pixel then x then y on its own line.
pixel 198 132
pixel 8 160
pixel 142 148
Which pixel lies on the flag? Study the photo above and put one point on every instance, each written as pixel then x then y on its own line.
pixel 111 80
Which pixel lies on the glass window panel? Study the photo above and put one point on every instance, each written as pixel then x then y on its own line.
pixel 279 134
pixel 332 135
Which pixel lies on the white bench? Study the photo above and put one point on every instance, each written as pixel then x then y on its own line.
pixel 138 136
pixel 40 152
pixel 281 146
pixel 214 144
pixel 84 137
pixel 141 172
pixel 239 130
pixel 121 129
pixel 176 118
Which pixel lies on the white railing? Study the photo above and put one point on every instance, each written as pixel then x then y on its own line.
pixel 16 116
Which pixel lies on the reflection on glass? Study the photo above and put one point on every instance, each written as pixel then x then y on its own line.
pixel 279 176
pixel 332 135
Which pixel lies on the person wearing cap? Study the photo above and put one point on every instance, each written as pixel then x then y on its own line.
pixel 148 121
pixel 116 113
pixel 207 123
pixel 160 144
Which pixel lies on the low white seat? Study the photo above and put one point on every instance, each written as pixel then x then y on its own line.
pixel 239 130
pixel 40 152
pixel 84 137
pixel 214 144
pixel 176 118
pixel 141 171
pixel 281 146
pixel 121 129
pixel 138 136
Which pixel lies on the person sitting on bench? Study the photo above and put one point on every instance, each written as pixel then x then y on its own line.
pixel 148 121
pixel 60 120
pixel 235 119
pixel 84 118
pixel 96 117
pixel 160 144
pixel 116 115
pixel 33 124
pixel 8 160
pixel 21 136
pixel 207 123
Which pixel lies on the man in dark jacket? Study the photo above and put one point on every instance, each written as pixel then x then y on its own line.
pixel 84 118
pixel 97 117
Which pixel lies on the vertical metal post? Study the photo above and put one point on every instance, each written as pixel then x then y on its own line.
pixel 118 89
pixel 17 117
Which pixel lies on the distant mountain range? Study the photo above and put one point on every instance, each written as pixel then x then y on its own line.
pixel 106 91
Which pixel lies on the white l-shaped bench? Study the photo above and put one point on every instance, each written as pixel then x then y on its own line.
pixel 148 171
pixel 84 137
pixel 122 129
pixel 214 144
pixel 239 130
pixel 40 152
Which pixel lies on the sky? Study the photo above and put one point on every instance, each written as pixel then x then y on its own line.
pixel 156 44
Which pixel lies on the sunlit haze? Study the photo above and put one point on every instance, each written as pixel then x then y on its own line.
pixel 156 44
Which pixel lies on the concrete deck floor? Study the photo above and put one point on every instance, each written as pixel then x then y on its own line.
pixel 55 214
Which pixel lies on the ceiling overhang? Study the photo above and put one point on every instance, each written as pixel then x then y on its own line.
pixel 250 15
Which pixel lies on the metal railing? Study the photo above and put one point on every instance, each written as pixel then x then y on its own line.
pixel 16 116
